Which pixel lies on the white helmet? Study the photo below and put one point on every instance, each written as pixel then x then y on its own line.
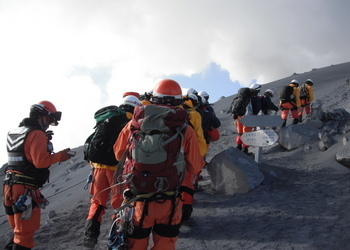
pixel 203 100
pixel 192 91
pixel 255 87
pixel 131 100
pixel 309 82
pixel 204 94
pixel 194 100
pixel 295 82
pixel 269 92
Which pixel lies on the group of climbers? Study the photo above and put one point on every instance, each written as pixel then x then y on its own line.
pixel 162 212
pixel 296 100
pixel 188 122
pixel 293 99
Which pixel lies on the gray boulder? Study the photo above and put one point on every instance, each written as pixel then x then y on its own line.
pixel 231 171
pixel 343 155
pixel 295 136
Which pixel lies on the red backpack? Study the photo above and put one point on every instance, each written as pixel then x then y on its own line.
pixel 154 159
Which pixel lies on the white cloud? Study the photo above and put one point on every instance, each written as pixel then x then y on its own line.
pixel 46 45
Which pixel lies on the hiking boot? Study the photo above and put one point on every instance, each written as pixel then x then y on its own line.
pixel 245 150
pixel 197 188
pixel 239 147
pixel 18 247
pixel 189 222
pixel 89 242
pixel 295 121
pixel 284 123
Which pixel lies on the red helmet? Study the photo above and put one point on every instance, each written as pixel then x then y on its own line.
pixel 167 92
pixel 46 108
pixel 132 93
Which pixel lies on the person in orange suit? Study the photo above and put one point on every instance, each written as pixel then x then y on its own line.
pixel 293 105
pixel 305 100
pixel 162 217
pixel 103 179
pixel 30 154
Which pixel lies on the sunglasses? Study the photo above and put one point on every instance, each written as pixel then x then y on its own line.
pixel 55 117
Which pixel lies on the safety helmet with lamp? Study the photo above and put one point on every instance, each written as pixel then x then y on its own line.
pixel 47 109
pixel 256 87
pixel 167 92
pixel 131 100
pixel 309 82
pixel 269 92
pixel 131 93
pixel 204 94
pixel 295 83
pixel 192 91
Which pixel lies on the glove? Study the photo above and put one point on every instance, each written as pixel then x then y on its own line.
pixel 64 155
pixel 235 117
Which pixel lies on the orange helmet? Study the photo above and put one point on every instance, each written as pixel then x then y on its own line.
pixel 132 93
pixel 46 108
pixel 167 92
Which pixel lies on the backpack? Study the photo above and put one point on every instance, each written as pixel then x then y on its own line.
pixel 286 95
pixel 240 102
pixel 304 92
pixel 98 146
pixel 155 161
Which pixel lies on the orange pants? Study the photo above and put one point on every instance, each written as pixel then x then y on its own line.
pixel 289 107
pixel 305 105
pixel 240 130
pixel 103 178
pixel 156 220
pixel 23 229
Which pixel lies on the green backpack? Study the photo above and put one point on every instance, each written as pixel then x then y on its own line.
pixel 98 146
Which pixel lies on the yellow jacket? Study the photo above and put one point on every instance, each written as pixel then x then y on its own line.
pixel 311 92
pixel 296 93
pixel 196 124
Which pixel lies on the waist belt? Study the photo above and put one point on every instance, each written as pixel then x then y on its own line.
pixel 12 178
pixel 158 196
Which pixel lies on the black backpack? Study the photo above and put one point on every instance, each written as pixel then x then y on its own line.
pixel 286 95
pixel 240 102
pixel 98 146
pixel 304 92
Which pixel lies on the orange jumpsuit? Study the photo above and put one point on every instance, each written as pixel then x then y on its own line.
pixel 291 106
pixel 241 129
pixel 305 103
pixel 103 179
pixel 158 214
pixel 35 150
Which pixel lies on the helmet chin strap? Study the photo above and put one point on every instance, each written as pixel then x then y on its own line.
pixel 42 124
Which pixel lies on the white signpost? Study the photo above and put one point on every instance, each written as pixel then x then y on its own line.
pixel 260 138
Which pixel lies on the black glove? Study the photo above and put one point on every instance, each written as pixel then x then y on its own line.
pixel 235 117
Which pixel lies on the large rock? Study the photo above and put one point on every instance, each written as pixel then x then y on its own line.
pixel 343 155
pixel 295 136
pixel 231 171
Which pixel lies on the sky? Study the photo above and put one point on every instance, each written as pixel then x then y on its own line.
pixel 84 54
